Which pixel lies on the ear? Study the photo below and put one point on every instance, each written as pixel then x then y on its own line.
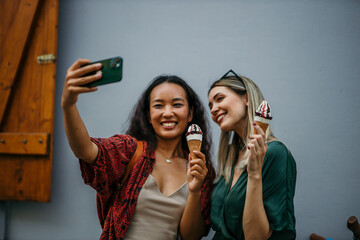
pixel 246 100
pixel 190 117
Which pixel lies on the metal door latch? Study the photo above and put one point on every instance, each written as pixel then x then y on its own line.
pixel 47 58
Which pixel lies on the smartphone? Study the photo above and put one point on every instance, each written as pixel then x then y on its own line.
pixel 111 71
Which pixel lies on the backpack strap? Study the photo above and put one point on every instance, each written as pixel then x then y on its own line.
pixel 103 207
pixel 134 159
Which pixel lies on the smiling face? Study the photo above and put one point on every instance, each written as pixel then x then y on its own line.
pixel 228 109
pixel 169 111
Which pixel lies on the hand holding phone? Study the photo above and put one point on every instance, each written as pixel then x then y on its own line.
pixel 111 71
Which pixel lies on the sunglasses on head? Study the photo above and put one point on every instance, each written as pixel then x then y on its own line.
pixel 234 74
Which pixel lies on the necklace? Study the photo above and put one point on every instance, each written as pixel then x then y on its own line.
pixel 168 160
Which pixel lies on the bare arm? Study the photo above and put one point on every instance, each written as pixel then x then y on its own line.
pixel 255 222
pixel 78 137
pixel 192 225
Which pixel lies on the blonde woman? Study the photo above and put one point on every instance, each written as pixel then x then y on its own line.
pixel 256 173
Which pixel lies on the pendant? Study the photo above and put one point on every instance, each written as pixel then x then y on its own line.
pixel 168 160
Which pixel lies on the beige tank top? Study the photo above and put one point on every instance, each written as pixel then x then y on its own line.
pixel 157 216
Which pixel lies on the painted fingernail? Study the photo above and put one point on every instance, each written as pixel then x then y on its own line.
pixel 254 123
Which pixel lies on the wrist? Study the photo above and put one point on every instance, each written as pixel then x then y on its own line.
pixel 66 106
pixel 255 176
pixel 195 194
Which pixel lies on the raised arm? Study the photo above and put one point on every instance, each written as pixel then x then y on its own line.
pixel 192 225
pixel 255 221
pixel 76 132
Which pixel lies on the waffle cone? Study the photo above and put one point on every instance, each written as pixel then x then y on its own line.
pixel 194 145
pixel 263 126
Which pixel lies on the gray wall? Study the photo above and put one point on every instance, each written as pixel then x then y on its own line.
pixel 304 55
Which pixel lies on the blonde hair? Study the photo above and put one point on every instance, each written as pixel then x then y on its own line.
pixel 229 152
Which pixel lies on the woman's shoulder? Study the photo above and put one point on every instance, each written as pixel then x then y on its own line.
pixel 278 152
pixel 117 141
pixel 120 138
pixel 279 160
pixel 277 147
pixel 123 137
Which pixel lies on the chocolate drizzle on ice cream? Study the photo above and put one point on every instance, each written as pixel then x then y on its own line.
pixel 264 110
pixel 194 139
pixel 263 116
pixel 194 129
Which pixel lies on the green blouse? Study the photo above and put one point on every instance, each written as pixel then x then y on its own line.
pixel 279 177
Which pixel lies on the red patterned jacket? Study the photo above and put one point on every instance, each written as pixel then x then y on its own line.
pixel 114 154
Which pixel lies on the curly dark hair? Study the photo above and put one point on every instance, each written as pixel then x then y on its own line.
pixel 141 129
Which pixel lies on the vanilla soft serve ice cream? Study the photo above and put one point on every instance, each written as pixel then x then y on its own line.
pixel 263 116
pixel 194 137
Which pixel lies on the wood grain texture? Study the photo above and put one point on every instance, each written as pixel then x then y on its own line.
pixel 24 143
pixel 30 106
pixel 14 45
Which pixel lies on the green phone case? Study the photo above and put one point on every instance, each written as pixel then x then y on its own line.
pixel 111 71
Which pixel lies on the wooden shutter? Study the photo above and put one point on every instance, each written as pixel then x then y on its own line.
pixel 28 33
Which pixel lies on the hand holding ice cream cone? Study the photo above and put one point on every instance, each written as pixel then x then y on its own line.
pixel 257 144
pixel 197 169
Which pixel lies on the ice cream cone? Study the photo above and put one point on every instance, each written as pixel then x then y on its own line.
pixel 263 126
pixel 194 139
pixel 263 116
pixel 194 145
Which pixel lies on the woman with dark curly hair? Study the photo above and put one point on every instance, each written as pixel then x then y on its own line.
pixel 166 195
